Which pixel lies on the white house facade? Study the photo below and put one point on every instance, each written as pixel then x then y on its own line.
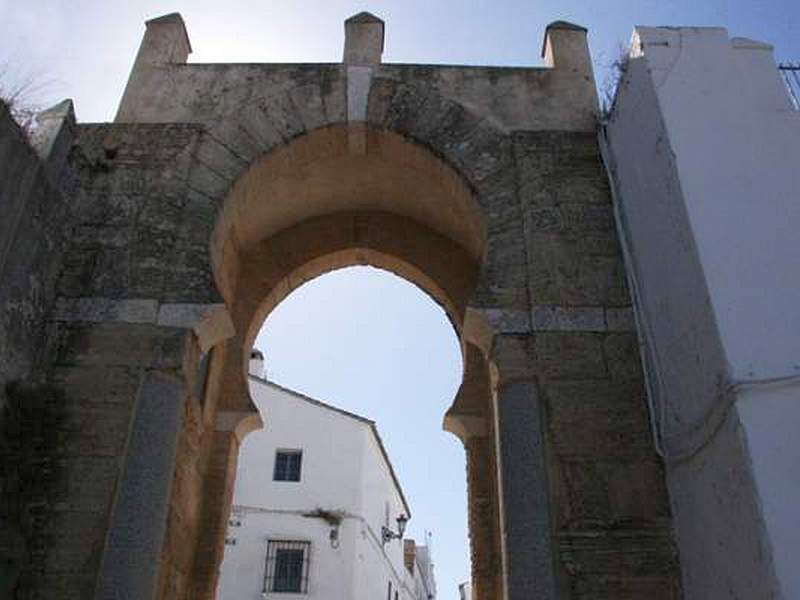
pixel 315 496
pixel 420 566
pixel 465 591
pixel 704 148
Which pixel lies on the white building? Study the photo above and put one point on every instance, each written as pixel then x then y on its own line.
pixel 704 147
pixel 315 493
pixel 419 565
pixel 465 591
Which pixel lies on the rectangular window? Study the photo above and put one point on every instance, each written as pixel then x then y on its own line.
pixel 287 465
pixel 287 567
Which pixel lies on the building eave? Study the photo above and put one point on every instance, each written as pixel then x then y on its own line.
pixel 369 422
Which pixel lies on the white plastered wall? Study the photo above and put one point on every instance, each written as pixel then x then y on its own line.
pixel 342 470
pixel 705 152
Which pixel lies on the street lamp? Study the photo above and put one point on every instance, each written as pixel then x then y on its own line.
pixel 387 535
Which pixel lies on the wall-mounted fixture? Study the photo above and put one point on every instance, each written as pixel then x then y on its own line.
pixel 387 535
pixel 334 537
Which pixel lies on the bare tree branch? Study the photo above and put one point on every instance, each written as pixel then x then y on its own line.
pixel 615 70
pixel 19 92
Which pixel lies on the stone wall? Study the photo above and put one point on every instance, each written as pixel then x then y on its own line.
pixel 610 502
pixel 98 341
pixel 576 338
pixel 148 442
pixel 32 214
pixel 119 301
pixel 99 374
pixel 133 209
pixel 576 364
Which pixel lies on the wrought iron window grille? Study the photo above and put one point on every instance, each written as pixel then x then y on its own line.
pixel 287 566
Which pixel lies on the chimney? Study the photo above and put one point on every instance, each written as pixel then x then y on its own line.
pixel 256 366
pixel 409 554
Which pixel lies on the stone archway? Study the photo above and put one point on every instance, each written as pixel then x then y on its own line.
pixel 221 187
pixel 314 206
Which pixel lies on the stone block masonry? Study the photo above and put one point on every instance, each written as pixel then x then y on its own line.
pixel 221 188
pixel 33 210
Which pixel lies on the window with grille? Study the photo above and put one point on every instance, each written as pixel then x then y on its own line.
pixel 287 567
pixel 287 465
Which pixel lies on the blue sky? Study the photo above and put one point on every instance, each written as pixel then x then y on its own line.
pixel 359 338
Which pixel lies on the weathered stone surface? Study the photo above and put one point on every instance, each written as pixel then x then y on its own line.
pixel 598 419
pixel 559 318
pixel 309 103
pixel 87 436
pixel 132 213
pixel 665 587
pixel 483 516
pixel 184 513
pixel 645 555
pixel 89 483
pixel 513 356
pixel 139 519
pixel 607 494
pixel 573 355
pixel 622 356
pixel 121 345
pixel 99 310
pixel 363 39
pixel 504 282
pixel 528 543
pixel 572 218
pixel 184 315
pixel 620 319
pixel 561 272
pixel 281 112
pixel 95 431
pixel 84 547
pixel 594 561
pixel 505 320
pixel 610 494
pixel 69 586
pixel 33 214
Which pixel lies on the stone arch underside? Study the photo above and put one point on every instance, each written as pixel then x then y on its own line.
pixel 277 266
pixel 315 205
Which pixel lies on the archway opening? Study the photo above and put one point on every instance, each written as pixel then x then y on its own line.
pixel 315 207
pixel 371 343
